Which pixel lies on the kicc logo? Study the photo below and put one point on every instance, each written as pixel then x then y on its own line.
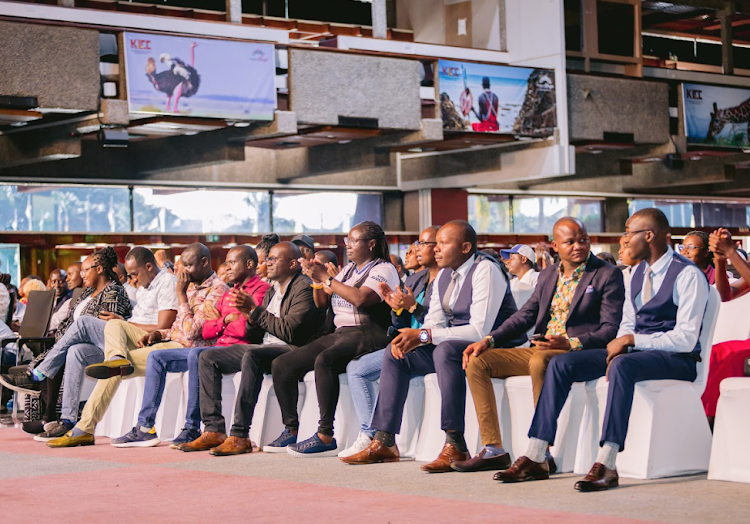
pixel 141 45
pixel 451 71
pixel 258 56
pixel 694 94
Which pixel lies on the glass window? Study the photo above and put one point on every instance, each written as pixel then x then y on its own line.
pixel 324 212
pixel 698 214
pixel 489 213
pixel 86 209
pixel 10 262
pixel 539 214
pixel 200 211
pixel 616 29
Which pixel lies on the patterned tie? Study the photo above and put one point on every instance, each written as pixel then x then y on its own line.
pixel 449 293
pixel 647 283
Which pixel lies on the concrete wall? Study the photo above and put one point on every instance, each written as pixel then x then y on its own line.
pixel 617 105
pixel 326 85
pixel 58 65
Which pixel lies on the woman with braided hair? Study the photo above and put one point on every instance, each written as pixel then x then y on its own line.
pixel 361 319
pixel 103 297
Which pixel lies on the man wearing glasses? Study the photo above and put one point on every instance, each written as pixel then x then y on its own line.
pixel 658 339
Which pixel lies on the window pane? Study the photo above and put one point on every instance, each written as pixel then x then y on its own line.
pixel 538 215
pixel 200 211
pixel 334 212
pixel 679 214
pixel 615 25
pixel 86 209
pixel 489 213
pixel 10 262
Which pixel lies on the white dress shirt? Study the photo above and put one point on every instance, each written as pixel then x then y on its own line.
pixel 488 293
pixel 690 295
pixel 530 278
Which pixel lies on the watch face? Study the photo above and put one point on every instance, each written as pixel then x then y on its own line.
pixel 423 336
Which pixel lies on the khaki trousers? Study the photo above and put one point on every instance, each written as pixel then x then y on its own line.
pixel 120 338
pixel 503 363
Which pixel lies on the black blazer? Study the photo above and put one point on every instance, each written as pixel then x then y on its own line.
pixel 416 283
pixel 298 320
pixel 595 311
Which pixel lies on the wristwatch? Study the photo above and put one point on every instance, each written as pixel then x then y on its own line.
pixel 329 281
pixel 424 336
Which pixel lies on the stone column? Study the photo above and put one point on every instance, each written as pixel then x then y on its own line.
pixel 379 19
pixel 234 11
pixel 727 56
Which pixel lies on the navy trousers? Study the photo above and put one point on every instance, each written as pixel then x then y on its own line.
pixel 445 360
pixel 624 372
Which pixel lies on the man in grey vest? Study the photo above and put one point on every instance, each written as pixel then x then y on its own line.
pixel 657 340
pixel 472 297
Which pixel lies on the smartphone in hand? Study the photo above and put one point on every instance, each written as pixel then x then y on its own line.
pixel 538 338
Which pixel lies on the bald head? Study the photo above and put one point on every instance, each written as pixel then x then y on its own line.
pixel 570 223
pixel 196 260
pixel 571 241
pixel 282 262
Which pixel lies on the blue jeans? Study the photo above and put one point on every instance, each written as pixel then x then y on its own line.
pixel 85 330
pixel 79 356
pixel 165 361
pixel 361 375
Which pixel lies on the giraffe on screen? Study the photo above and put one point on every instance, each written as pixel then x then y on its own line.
pixel 730 115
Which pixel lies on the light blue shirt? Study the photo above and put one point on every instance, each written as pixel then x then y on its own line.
pixel 690 295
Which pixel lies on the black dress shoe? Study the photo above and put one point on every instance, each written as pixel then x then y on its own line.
pixel 524 469
pixel 479 463
pixel 33 427
pixel 600 478
pixel 551 465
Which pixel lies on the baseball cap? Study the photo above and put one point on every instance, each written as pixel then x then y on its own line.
pixel 521 249
pixel 304 240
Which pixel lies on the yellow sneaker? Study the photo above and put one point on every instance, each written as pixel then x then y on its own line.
pixel 110 368
pixel 69 441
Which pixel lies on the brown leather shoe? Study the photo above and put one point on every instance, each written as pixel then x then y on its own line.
pixel 479 463
pixel 442 464
pixel 600 478
pixel 233 446
pixel 374 453
pixel 208 440
pixel 524 469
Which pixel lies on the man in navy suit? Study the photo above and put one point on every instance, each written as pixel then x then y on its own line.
pixel 658 339
pixel 576 305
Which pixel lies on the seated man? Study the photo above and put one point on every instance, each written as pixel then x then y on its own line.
pixel 306 246
pixel 657 340
pixel 472 297
pixel 409 309
pixel 576 305
pixel 286 320
pixel 521 261
pixel 126 346
pixel 225 325
pixel 73 279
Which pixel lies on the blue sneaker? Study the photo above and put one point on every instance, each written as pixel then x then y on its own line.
pixel 313 447
pixel 279 445
pixel 185 436
pixel 136 438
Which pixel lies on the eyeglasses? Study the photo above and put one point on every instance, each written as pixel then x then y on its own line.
pixel 273 260
pixel 419 243
pixel 688 248
pixel 351 241
pixel 630 234
pixel 87 269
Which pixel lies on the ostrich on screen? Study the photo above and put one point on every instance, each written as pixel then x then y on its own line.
pixel 178 80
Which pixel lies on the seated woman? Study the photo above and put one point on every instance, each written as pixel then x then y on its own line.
pixel 409 307
pixel 695 248
pixel 361 321
pixel 727 358
pixel 103 293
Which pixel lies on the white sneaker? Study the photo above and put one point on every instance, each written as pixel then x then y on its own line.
pixel 359 445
